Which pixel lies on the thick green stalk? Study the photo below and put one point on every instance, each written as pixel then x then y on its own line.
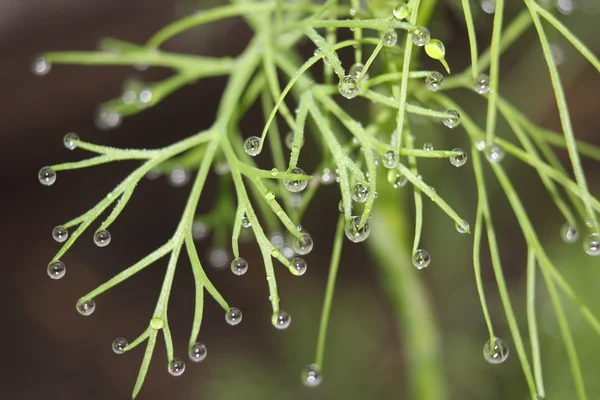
pixel 408 296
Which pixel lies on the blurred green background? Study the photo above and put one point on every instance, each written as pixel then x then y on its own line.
pixel 53 353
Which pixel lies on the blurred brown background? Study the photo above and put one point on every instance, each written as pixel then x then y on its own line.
pixel 51 352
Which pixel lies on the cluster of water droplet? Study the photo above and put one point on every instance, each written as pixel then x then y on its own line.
pixel 299 266
pixel 360 193
pixel 495 351
pixel 390 159
pixel 47 176
pixel 176 367
pixel 303 244
pixel 197 352
pixel 86 307
pixel 459 159
pixel 482 84
pixel 420 36
pixel 102 238
pixel 119 345
pixel 56 269
pixel 390 38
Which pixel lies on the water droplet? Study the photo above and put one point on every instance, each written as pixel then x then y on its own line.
pixel 360 193
pixel 218 257
pixel 157 323
pixel 107 118
pixel 389 159
pixel 197 352
pixel 349 87
pixel 47 176
pixel 355 232
pixel 86 307
pixel 56 269
pixel 488 6
pixel 119 345
pixel 480 145
pixel 269 195
pixel 591 245
pixel 299 265
pixel 178 177
pixel 482 84
pixel 390 38
pixel 144 98
pixel 420 36
pixel 252 146
pixel 434 81
pixel 421 259
pixel 327 177
pixel 199 230
pixel 102 238
pixel 311 376
pixel 69 140
pixel 277 240
pixel 396 179
pixel 352 11
pixel 289 141
pixel 462 226
pixel 295 185
pixel 246 221
pixel 460 159
pixel 356 70
pixel 41 66
pixel 401 11
pixel 176 367
pixel 303 244
pixel 494 153
pixel 452 120
pixel 131 90
pixel 281 320
pixel 495 351
pixel 60 234
pixel 427 146
pixel 233 316
pixel 239 266
pixel 568 233
pixel 588 222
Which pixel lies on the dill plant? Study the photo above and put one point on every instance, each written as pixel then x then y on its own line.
pixel 385 41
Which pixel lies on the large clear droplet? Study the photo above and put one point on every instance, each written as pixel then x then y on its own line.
pixel 360 193
pixel 568 233
pixel 401 11
pixel 295 185
pixel 60 234
pixel 86 307
pixel 462 226
pixel 311 376
pixel 233 316
pixel 349 87
pixel 246 221
pixel 434 81
pixel 298 265
pixel 420 36
pixel 107 118
pixel 390 38
pixel 102 238
pixel 494 153
pixel 460 159
pixel 452 119
pixel 69 140
pixel 56 269
pixel 47 176
pixel 41 66
pixel 482 84
pixel 591 244
pixel 495 351
pixel 197 352
pixel 421 259
pixel 356 71
pixel 427 146
pixel 119 345
pixel 281 320
pixel 239 266
pixel 176 367
pixel 355 232
pixel 252 146
pixel 389 159
pixel 303 244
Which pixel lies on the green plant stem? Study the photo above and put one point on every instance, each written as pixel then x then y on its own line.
pixel 532 324
pixel 492 111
